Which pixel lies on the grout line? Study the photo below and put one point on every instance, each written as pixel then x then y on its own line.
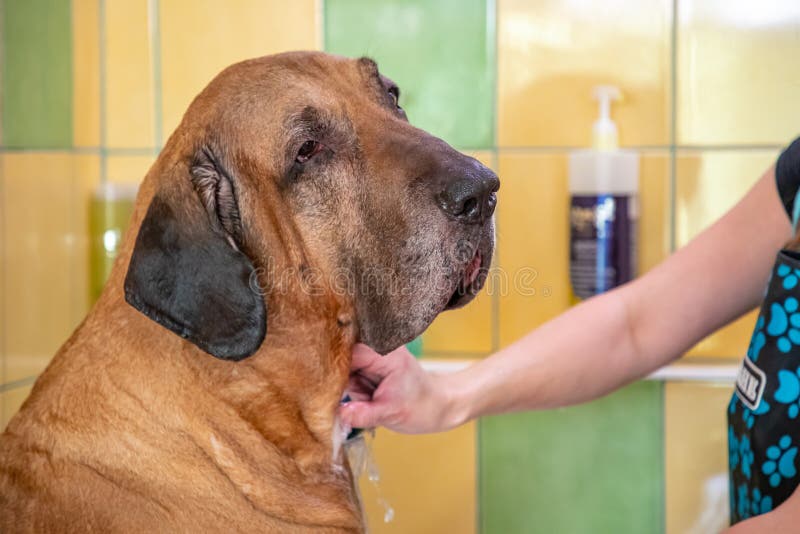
pixel 84 150
pixel 101 53
pixel 74 191
pixel 19 383
pixel 661 469
pixel 495 297
pixel 673 133
pixel 754 147
pixel 155 66
pixel 3 278
pixel 147 151
pixel 722 373
pixel 72 77
pixel 723 148
pixel 3 72
pixel 492 15
pixel 673 205
pixel 478 475
pixel 319 8
pixel 3 211
pixel 492 21
pixel 491 52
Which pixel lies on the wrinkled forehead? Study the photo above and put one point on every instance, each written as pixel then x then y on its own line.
pixel 308 72
pixel 281 88
pixel 336 83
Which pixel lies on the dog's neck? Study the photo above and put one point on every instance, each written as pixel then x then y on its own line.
pixel 269 421
pixel 290 389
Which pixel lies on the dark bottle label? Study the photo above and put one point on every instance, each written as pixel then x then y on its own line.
pixel 602 249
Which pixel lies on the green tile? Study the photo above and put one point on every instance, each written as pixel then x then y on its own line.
pixel 594 468
pixel 442 54
pixel 37 97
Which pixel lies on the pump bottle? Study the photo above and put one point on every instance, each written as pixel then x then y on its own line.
pixel 603 185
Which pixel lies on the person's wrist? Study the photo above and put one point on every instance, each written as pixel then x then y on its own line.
pixel 454 402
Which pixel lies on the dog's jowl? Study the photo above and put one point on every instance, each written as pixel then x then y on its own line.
pixel 294 212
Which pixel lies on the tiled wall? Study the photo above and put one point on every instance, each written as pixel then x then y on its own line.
pixel 92 88
pixel 591 468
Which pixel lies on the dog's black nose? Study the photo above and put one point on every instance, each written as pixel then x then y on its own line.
pixel 471 199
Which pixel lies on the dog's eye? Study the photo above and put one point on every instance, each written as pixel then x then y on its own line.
pixel 308 150
pixel 394 92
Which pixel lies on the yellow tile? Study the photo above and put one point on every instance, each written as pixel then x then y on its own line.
pixel 128 169
pixel 85 73
pixel 129 72
pixel 43 258
pixel 10 402
pixel 696 457
pixel 707 185
pixel 242 30
pixel 469 329
pixel 550 55
pixel 532 234
pixel 728 342
pixel 463 332
pixel 733 82
pixel 86 177
pixel 654 211
pixel 429 481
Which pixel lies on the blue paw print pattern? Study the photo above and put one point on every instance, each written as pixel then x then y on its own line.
pixel 760 504
pixel 733 449
pixel 746 456
pixel 748 506
pixel 743 502
pixel 780 463
pixel 758 341
pixel 749 416
pixel 784 322
pixel 789 276
pixel 788 391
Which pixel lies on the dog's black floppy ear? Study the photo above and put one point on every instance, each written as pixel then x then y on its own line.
pixel 187 272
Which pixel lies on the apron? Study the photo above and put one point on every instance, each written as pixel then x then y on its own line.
pixel 763 424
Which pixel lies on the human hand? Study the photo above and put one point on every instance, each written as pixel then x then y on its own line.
pixel 395 392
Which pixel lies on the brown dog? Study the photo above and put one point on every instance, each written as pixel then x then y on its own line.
pixel 293 212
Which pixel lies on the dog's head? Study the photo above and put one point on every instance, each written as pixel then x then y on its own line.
pixel 306 161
